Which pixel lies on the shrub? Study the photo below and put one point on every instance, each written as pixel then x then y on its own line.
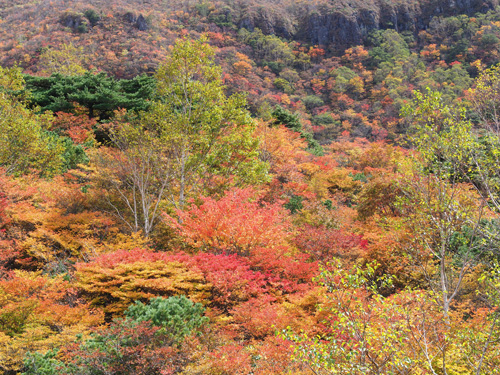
pixel 178 315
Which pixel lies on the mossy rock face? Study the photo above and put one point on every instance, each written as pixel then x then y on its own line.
pixel 75 21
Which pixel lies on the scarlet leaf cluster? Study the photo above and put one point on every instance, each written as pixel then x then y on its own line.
pixel 237 223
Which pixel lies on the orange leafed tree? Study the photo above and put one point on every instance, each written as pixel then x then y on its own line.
pixel 237 223
pixel 115 280
pixel 39 313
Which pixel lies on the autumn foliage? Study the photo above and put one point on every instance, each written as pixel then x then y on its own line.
pixel 39 313
pixel 233 188
pixel 237 223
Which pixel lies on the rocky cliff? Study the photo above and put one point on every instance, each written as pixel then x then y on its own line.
pixel 344 22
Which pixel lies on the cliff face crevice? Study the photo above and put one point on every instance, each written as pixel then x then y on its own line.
pixel 338 29
pixel 267 20
pixel 345 23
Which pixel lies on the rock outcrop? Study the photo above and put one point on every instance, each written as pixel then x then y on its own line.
pixel 138 21
pixel 75 21
pixel 348 22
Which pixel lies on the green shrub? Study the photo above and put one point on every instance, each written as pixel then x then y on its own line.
pixel 92 16
pixel 294 204
pixel 312 102
pixel 178 315
pixel 43 364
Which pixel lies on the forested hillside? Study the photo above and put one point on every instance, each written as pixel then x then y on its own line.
pixel 249 187
pixel 341 67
